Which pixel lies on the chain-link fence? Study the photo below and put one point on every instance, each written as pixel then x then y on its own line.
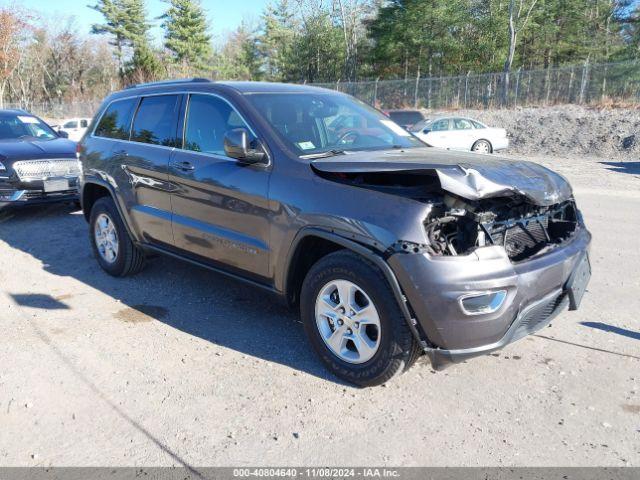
pixel 58 111
pixel 581 84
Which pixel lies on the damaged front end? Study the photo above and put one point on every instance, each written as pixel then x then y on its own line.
pixel 475 201
pixel 500 248
pixel 457 227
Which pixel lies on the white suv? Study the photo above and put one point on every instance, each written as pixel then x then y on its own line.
pixel 75 127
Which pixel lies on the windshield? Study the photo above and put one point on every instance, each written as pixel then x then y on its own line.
pixel 316 123
pixel 23 126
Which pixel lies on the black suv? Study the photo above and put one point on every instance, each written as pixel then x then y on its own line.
pixel 390 248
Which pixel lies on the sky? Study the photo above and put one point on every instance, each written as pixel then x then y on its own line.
pixel 224 15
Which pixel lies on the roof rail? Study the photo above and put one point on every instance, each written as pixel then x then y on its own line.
pixel 169 82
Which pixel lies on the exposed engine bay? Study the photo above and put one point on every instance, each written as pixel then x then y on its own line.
pixel 457 227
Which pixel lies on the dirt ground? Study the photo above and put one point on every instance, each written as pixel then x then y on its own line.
pixel 181 366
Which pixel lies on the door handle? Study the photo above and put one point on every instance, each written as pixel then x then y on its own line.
pixel 184 166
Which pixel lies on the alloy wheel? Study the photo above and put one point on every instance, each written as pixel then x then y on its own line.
pixel 106 238
pixel 348 321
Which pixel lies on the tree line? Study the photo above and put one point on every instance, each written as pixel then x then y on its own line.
pixel 308 41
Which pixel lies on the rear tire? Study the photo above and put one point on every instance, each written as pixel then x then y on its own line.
pixel 110 241
pixel 482 146
pixel 395 348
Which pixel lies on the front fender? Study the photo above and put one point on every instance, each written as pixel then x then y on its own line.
pixel 368 252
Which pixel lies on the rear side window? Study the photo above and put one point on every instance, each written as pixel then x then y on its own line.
pixel 156 121
pixel 116 120
pixel 84 123
pixel 462 124
pixel 208 119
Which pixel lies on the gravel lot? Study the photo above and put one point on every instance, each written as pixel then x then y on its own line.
pixel 556 131
pixel 180 366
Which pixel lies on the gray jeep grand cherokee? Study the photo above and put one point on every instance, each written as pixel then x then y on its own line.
pixel 390 248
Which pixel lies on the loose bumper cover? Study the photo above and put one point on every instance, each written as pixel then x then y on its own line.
pixel 537 290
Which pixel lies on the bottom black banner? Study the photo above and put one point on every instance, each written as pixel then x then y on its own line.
pixel 402 473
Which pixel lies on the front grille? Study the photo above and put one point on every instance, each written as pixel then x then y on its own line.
pixel 526 236
pixel 523 238
pixel 48 168
pixel 538 316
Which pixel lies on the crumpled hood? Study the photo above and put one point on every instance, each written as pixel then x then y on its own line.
pixel 32 149
pixel 469 175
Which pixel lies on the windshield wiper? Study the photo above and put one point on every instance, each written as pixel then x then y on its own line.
pixel 329 153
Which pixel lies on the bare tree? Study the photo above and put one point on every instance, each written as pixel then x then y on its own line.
pixel 351 13
pixel 13 28
pixel 519 15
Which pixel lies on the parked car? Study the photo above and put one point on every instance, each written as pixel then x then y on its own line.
pixel 389 248
pixel 405 118
pixel 459 133
pixel 75 127
pixel 37 164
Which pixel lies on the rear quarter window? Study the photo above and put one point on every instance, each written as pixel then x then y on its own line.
pixel 116 121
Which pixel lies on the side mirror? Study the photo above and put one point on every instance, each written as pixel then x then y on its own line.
pixel 63 134
pixel 236 145
pixel 426 130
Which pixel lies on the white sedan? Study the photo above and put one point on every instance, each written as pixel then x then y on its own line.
pixel 458 133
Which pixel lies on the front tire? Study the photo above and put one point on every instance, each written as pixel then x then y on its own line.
pixel 110 241
pixel 353 321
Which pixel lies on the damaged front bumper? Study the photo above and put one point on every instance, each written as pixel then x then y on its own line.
pixel 535 291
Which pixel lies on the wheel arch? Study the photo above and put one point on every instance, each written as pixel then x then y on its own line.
pixel 94 189
pixel 327 242
pixel 91 192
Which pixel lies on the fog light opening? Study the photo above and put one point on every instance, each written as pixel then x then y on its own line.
pixel 482 303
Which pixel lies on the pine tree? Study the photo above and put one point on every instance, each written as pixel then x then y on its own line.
pixel 276 42
pixel 185 24
pixel 126 21
pixel 145 65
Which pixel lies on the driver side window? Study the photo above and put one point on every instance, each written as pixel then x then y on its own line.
pixel 209 118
